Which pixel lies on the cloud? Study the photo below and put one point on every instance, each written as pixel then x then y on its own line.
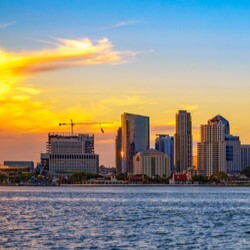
pixel 120 24
pixel 128 100
pixel 67 54
pixel 27 110
pixel 167 127
pixel 125 23
pixel 5 25
pixel 23 106
pixel 189 107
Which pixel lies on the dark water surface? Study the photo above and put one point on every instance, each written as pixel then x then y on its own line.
pixel 125 217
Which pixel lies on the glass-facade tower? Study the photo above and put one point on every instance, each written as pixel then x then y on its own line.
pixel 165 144
pixel 135 138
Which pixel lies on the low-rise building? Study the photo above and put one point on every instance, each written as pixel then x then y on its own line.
pixel 245 156
pixel 25 164
pixel 178 178
pixel 13 173
pixel 151 163
pixel 136 179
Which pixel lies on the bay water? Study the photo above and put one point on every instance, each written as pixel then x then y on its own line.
pixel 112 217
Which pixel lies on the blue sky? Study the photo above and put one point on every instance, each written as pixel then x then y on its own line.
pixel 179 24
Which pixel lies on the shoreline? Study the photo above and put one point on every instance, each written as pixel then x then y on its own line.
pixel 149 185
pixel 129 185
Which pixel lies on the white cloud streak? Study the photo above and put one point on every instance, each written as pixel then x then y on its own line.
pixel 120 24
pixel 5 25
pixel 67 53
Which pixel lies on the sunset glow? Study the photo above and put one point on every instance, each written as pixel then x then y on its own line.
pixel 90 64
pixel 19 101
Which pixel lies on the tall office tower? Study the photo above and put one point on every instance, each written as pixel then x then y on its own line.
pixel 183 141
pixel 233 154
pixel 118 151
pixel 135 138
pixel 212 148
pixel 245 156
pixel 69 153
pixel 217 149
pixel 165 144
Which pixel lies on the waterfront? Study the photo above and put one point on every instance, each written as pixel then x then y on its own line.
pixel 125 217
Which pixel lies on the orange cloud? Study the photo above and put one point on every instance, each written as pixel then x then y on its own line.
pixel 189 107
pixel 21 106
pixel 67 53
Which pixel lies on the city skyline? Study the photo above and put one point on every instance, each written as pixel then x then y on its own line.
pixel 92 61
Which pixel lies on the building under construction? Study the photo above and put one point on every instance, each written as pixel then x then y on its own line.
pixel 68 153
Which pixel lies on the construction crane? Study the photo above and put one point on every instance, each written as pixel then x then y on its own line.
pixel 72 124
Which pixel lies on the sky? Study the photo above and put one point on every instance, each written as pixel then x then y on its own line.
pixel 91 61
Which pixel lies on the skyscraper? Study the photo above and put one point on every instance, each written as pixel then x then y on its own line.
pixel 212 147
pixel 135 138
pixel 183 141
pixel 218 150
pixel 233 154
pixel 118 151
pixel 165 144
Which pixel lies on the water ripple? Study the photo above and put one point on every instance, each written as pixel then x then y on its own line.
pixel 124 217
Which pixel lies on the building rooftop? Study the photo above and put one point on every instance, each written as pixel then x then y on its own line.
pixel 13 168
pixel 220 118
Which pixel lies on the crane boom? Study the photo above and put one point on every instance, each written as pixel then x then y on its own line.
pixel 72 124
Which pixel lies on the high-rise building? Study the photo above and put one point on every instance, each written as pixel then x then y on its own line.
pixel 165 144
pixel 118 151
pixel 183 141
pixel 152 163
pixel 233 154
pixel 245 156
pixel 69 153
pixel 212 147
pixel 217 149
pixel 135 138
